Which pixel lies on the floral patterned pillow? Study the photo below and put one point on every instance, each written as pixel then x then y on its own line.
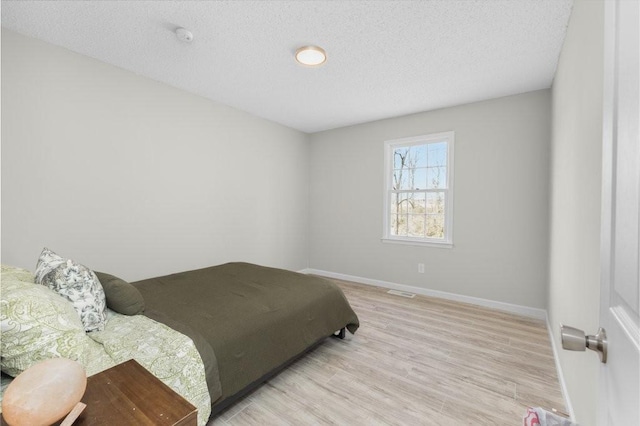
pixel 78 284
pixel 36 324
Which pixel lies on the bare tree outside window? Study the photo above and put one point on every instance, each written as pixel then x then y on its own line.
pixel 417 203
pixel 403 177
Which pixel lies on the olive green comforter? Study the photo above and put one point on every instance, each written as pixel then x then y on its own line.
pixel 254 318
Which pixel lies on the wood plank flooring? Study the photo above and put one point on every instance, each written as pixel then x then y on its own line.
pixel 420 361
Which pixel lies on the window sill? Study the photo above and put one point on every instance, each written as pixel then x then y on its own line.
pixel 444 244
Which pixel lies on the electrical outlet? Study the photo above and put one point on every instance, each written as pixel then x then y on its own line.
pixel 421 268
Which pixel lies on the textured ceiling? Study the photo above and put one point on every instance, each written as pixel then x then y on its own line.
pixel 385 58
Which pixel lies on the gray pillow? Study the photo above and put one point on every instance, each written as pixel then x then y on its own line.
pixel 76 283
pixel 122 297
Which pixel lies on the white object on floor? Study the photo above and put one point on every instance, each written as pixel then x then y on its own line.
pixel 540 417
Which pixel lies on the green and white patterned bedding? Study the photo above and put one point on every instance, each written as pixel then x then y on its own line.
pixel 170 356
pixel 38 324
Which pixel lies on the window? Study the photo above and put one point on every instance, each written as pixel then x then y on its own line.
pixel 418 206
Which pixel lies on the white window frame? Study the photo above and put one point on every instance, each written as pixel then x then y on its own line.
pixel 389 146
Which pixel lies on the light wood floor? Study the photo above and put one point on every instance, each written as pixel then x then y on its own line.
pixel 421 361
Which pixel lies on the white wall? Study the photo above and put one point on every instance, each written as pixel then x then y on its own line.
pixel 134 177
pixel 574 278
pixel 501 201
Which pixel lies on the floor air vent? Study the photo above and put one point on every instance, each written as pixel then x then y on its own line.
pixel 402 293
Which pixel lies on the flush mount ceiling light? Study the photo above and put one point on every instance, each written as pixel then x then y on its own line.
pixel 311 56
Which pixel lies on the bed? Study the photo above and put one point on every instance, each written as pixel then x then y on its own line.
pixel 211 334
pixel 254 318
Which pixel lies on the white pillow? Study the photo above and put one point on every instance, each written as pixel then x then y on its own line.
pixel 76 283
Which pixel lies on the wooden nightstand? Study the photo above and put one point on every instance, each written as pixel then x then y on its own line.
pixel 128 394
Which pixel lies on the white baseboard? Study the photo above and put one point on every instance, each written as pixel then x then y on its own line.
pixel 563 384
pixel 502 306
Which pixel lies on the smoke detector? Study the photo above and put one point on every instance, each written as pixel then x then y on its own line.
pixel 184 35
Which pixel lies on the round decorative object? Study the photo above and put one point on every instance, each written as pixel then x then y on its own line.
pixel 44 393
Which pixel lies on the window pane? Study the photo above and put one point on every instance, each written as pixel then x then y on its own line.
pixel 419 153
pixel 435 226
pixel 436 177
pixel 410 197
pixel 418 203
pixel 407 179
pixel 397 204
pixel 418 178
pixel 393 224
pixel 437 154
pixel 393 202
pixel 402 205
pixel 435 202
pixel 404 157
pixel 397 180
pixel 402 179
pixel 398 157
pixel 398 225
pixel 416 226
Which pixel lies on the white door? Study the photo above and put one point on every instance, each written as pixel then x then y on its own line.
pixel 620 298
